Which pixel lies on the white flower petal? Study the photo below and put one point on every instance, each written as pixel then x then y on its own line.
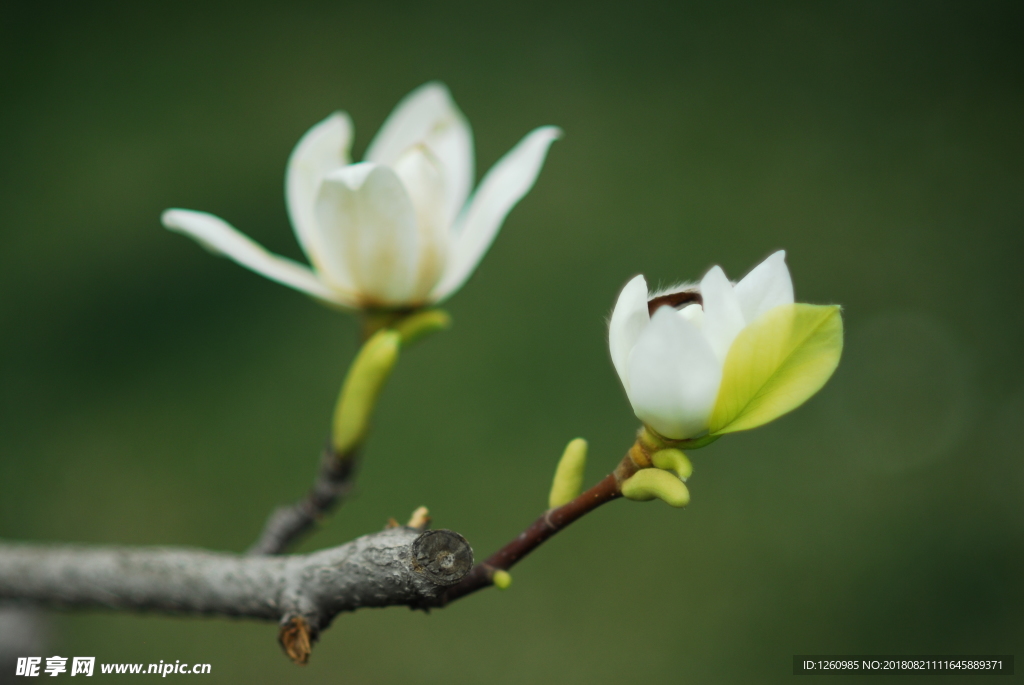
pixel 452 145
pixel 629 319
pixel 218 236
pixel 428 116
pixel 418 170
pixel 693 313
pixel 367 219
pixel 503 186
pixel 723 318
pixel 766 286
pixel 323 148
pixel 673 377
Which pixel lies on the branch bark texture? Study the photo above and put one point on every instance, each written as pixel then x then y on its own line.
pixel 399 566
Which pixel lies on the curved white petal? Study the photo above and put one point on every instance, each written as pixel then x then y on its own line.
pixel 673 376
pixel 410 122
pixel 218 236
pixel 723 318
pixel 419 172
pixel 367 219
pixel 428 116
pixel 323 148
pixel 766 286
pixel 629 319
pixel 452 145
pixel 503 186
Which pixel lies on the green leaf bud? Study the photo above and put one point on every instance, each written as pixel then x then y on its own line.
pixel 501 579
pixel 648 484
pixel 673 460
pixel 568 481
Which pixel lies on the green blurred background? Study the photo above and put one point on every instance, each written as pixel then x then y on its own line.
pixel 152 394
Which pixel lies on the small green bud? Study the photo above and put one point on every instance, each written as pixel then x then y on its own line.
pixel 647 484
pixel 421 324
pixel 501 579
pixel 365 379
pixel 673 460
pixel 568 482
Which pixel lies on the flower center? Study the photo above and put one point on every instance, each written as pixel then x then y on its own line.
pixel 674 300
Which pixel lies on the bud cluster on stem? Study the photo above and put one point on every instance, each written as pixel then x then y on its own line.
pixel 644 457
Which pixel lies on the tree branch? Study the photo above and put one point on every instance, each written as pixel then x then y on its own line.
pixel 287 524
pixel 398 566
pixel 537 533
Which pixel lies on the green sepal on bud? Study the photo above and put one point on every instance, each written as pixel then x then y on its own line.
pixel 366 378
pixel 775 364
pixel 568 481
pixel 696 443
pixel 501 579
pixel 673 460
pixel 648 484
pixel 421 324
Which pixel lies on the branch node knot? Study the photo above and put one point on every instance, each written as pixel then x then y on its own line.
pixel 443 556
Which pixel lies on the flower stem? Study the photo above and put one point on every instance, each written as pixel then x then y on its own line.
pixel 539 531
pixel 335 477
pixel 383 335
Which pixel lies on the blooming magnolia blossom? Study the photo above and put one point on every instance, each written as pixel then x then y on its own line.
pixel 744 356
pixel 395 230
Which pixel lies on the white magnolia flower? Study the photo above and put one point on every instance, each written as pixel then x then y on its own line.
pixel 744 357
pixel 395 230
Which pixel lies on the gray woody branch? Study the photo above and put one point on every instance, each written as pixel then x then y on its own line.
pixel 287 524
pixel 398 566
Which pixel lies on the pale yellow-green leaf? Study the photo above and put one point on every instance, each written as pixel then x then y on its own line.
pixel 648 484
pixel 365 379
pixel 777 363
pixel 568 481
